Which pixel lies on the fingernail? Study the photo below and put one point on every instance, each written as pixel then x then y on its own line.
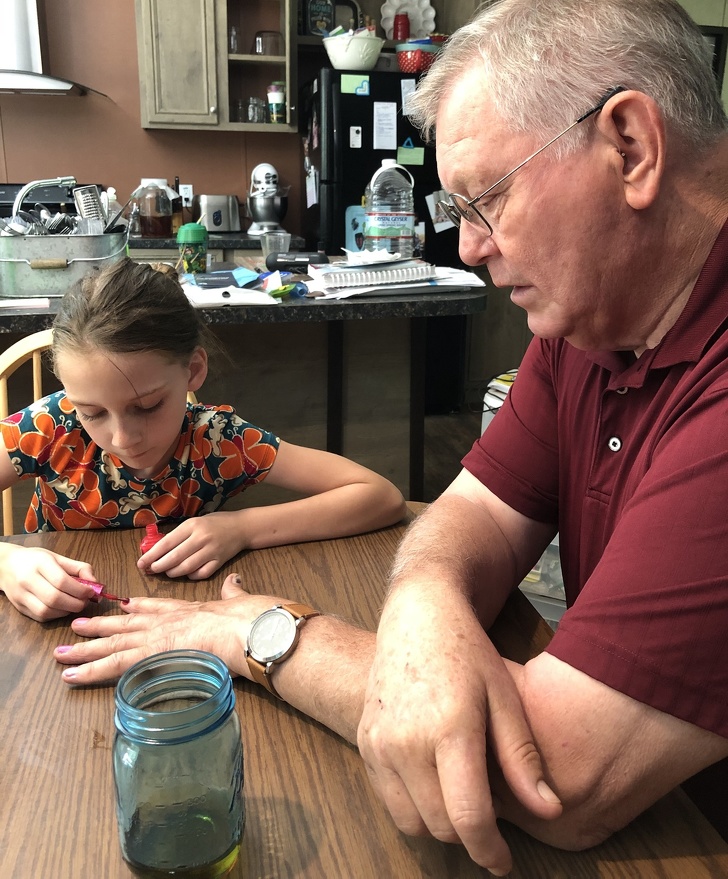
pixel 125 601
pixel 70 674
pixel 237 580
pixel 546 793
pixel 64 648
pixel 81 620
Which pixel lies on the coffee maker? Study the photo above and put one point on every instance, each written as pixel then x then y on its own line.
pixel 267 201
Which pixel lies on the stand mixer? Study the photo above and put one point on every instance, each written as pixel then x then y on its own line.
pixel 267 202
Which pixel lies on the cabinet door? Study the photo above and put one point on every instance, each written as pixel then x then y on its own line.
pixel 177 63
pixel 708 12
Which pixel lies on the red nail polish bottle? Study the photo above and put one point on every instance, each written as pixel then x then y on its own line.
pixel 151 537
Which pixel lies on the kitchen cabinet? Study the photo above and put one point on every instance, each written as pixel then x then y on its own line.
pixel 707 12
pixel 190 78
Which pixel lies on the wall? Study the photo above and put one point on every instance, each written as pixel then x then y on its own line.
pixel 100 140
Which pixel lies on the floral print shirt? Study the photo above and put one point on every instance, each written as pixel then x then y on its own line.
pixel 82 486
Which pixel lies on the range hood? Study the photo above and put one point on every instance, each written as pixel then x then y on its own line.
pixel 21 56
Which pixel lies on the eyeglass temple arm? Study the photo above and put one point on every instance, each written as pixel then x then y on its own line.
pixel 610 94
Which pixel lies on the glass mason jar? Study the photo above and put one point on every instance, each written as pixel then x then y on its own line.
pixel 178 766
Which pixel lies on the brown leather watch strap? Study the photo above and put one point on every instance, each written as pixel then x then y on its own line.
pixel 301 610
pixel 260 672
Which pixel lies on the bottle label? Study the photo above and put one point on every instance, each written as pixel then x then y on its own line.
pixel 389 225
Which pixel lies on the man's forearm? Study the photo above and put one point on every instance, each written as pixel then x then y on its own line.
pixel 326 676
pixel 455 549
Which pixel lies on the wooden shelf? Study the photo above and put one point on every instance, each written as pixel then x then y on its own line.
pixel 258 59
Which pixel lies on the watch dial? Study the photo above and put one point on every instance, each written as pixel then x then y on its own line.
pixel 272 635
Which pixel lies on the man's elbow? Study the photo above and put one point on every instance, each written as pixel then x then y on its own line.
pixel 583 823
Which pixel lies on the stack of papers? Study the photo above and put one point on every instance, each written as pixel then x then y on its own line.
pixel 441 278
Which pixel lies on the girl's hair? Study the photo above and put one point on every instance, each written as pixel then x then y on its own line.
pixel 544 62
pixel 129 307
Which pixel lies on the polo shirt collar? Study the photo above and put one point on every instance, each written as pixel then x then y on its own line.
pixel 705 311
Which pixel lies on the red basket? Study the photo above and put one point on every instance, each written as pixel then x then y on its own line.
pixel 415 60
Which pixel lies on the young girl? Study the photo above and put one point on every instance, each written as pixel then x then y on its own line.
pixel 120 446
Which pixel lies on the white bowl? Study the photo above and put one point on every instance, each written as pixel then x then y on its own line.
pixel 352 52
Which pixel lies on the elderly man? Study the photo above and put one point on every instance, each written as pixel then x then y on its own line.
pixel 586 151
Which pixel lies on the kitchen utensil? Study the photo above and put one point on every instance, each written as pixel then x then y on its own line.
pixel 275 242
pixel 357 52
pixel 34 222
pixel 88 202
pixel 112 222
pixel 61 224
pixel 6 229
pixel 218 213
pixel 267 210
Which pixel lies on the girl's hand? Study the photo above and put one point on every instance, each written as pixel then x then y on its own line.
pixel 196 548
pixel 40 583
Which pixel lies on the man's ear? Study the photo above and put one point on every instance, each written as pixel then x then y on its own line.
pixel 634 121
pixel 198 369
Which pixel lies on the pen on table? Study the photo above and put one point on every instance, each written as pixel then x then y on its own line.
pixel 99 590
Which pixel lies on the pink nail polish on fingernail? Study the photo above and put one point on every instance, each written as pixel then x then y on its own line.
pixel 81 619
pixel 70 674
pixel 64 648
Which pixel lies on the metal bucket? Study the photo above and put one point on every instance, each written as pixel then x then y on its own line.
pixel 49 265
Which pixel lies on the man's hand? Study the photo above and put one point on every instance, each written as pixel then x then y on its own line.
pixel 438 695
pixel 40 583
pixel 153 625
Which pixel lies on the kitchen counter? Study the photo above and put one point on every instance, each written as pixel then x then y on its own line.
pixel 216 241
pixel 22 319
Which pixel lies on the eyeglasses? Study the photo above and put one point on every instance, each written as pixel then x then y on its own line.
pixel 458 208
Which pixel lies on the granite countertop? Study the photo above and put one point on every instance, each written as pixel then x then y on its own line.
pixel 440 304
pixel 215 241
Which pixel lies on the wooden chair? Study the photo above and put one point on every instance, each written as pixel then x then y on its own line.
pixel 30 347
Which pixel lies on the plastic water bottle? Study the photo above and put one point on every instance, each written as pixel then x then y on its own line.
pixel 389 222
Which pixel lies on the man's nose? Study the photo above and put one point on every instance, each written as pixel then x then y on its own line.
pixel 475 244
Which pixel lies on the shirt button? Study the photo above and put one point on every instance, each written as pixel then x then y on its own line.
pixel 622 390
pixel 614 443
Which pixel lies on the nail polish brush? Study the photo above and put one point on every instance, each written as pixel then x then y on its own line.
pixel 99 590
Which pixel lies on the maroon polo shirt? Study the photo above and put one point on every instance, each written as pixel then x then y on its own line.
pixel 629 457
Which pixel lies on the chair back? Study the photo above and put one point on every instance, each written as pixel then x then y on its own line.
pixel 29 348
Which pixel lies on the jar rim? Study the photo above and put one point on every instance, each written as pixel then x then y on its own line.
pixel 173 674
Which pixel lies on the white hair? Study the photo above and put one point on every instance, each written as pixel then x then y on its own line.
pixel 545 62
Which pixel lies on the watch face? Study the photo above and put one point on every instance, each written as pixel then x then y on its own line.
pixel 272 635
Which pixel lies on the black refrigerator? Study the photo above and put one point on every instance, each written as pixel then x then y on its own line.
pixel 341 125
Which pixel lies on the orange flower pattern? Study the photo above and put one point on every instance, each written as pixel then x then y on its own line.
pixel 79 485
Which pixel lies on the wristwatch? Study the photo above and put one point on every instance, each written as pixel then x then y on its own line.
pixel 272 638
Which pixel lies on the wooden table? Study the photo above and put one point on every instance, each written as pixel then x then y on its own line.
pixel 310 810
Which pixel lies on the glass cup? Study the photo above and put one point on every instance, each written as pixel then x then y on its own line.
pixel 275 242
pixel 268 43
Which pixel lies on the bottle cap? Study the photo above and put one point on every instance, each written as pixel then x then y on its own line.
pixel 192 233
